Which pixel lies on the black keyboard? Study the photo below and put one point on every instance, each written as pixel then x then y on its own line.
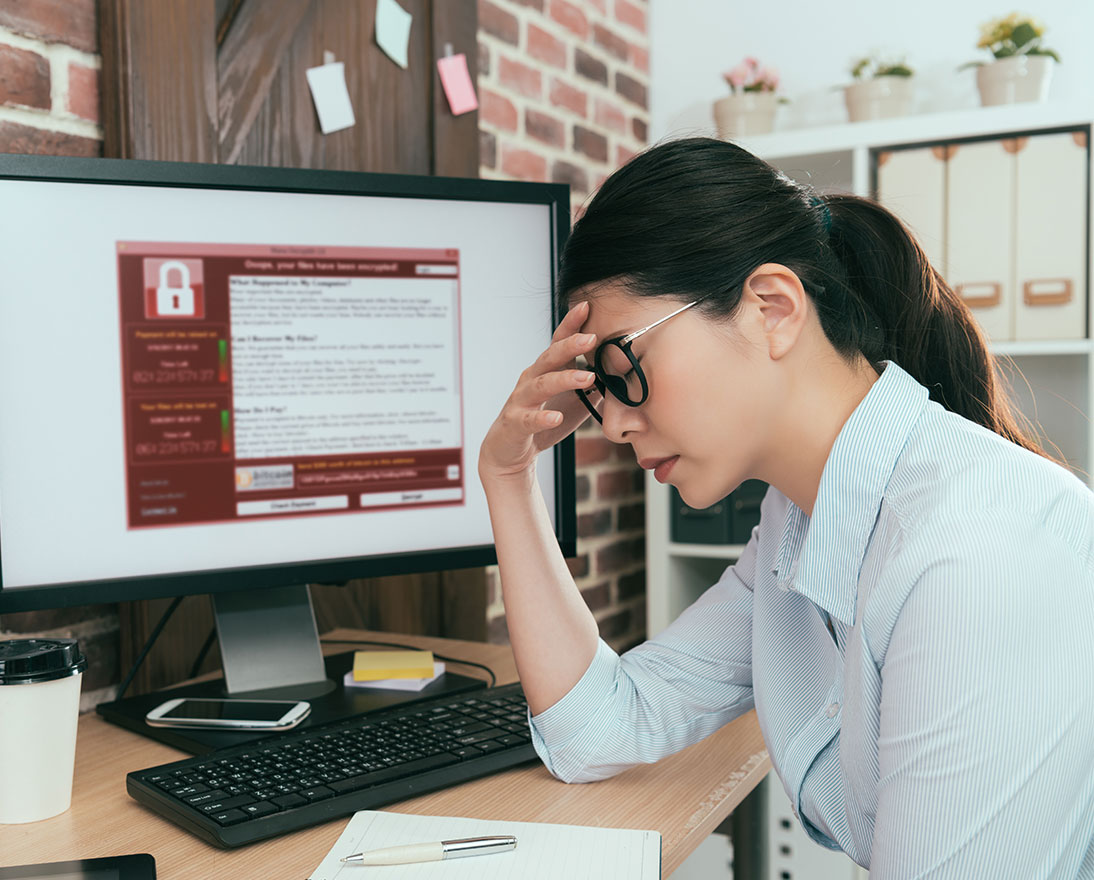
pixel 282 783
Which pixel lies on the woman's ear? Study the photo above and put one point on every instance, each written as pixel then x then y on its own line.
pixel 778 297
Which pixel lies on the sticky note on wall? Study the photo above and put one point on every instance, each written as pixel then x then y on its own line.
pixel 380 665
pixel 458 87
pixel 393 30
pixel 328 90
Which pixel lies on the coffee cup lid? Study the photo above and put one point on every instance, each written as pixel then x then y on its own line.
pixel 29 661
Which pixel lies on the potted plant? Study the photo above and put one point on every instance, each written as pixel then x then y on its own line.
pixel 1022 66
pixel 750 106
pixel 882 89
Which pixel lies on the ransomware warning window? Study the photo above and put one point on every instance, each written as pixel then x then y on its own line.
pixel 284 381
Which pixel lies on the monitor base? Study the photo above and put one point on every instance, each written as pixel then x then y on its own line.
pixel 337 703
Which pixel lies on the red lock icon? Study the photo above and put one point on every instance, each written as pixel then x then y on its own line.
pixel 173 289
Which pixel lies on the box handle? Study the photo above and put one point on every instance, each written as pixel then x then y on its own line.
pixel 1057 294
pixel 980 294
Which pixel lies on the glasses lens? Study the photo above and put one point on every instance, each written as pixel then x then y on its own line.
pixel 620 373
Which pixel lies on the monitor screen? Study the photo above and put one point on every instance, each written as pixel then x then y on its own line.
pixel 214 377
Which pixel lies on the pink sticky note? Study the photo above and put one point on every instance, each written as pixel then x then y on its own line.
pixel 457 84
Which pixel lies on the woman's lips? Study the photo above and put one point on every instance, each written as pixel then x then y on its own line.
pixel 659 466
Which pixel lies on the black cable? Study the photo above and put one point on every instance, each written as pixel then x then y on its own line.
pixel 487 669
pixel 155 634
pixel 203 652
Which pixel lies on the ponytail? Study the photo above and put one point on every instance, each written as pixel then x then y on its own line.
pixel 902 310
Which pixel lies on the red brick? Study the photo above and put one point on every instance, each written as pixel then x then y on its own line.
pixel 620 555
pixel 589 67
pixel 484 60
pixel 630 15
pixel 578 565
pixel 523 164
pixel 583 486
pixel 488 149
pixel 593 145
pixel 611 42
pixel 83 91
pixel 565 95
pixel 578 181
pixel 600 6
pixel 592 449
pixel 72 22
pixel 497 111
pixel 534 4
pixel 520 78
pixel 632 516
pixel 623 155
pixel 24 78
pixel 598 596
pixel 15 138
pixel 616 624
pixel 609 115
pixel 615 484
pixel 545 47
pixel 640 129
pixel 570 17
pixel 498 23
pixel 632 585
pixel 544 127
pixel 640 58
pixel 595 524
pixel 632 90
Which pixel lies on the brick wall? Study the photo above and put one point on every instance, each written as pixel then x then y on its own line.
pixel 563 88
pixel 49 103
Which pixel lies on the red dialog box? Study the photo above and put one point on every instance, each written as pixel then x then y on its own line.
pixel 174 289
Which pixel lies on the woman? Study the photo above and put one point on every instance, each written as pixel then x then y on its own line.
pixel 912 618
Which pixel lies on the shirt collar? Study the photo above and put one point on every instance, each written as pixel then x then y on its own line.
pixel 849 497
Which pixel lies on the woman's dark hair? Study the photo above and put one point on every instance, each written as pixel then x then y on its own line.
pixel 695 217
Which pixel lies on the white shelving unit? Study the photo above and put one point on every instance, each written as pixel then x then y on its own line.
pixel 1055 386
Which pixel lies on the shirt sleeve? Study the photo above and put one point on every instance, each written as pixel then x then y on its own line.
pixel 986 762
pixel 660 696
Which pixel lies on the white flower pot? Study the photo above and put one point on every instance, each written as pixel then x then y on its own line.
pixel 879 98
pixel 745 113
pixel 1015 80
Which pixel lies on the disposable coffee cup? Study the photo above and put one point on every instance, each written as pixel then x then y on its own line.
pixel 39 708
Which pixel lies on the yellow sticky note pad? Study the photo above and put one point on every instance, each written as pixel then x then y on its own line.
pixel 378 665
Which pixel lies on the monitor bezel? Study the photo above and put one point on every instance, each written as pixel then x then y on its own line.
pixel 133 172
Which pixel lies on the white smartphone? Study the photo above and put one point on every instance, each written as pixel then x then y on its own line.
pixel 229 714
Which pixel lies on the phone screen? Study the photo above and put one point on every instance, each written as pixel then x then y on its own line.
pixel 229 710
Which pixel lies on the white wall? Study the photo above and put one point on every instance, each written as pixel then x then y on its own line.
pixel 812 45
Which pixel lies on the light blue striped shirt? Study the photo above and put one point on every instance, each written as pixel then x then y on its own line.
pixel 947 730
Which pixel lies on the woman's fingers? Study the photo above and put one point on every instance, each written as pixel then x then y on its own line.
pixel 571 321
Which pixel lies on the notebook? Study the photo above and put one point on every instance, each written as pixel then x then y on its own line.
pixel 543 852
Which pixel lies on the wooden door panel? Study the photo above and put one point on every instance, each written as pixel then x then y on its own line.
pixel 224 81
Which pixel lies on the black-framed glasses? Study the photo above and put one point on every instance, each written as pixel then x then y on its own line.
pixel 617 370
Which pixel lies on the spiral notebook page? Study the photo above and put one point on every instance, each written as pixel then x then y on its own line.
pixel 543 852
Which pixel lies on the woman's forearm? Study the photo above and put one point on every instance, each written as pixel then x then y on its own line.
pixel 552 631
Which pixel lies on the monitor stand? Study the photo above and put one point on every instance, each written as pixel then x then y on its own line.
pixel 270 649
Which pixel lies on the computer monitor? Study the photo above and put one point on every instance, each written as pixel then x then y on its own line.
pixel 238 381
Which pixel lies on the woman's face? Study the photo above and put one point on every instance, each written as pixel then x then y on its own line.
pixel 712 395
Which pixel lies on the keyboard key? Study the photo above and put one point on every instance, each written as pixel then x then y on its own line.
pixel 226 804
pixel 489 746
pixel 205 797
pixel 229 817
pixel 288 801
pixel 367 780
pixel 319 793
pixel 262 808
pixel 482 735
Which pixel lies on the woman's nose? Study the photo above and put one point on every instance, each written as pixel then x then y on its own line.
pixel 619 421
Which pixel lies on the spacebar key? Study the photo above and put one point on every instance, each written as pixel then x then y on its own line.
pixel 366 780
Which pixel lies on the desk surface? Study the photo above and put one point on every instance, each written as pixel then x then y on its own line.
pixel 685 797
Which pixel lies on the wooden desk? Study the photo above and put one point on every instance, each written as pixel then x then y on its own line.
pixel 685 797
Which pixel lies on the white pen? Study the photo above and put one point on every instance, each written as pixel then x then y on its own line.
pixel 434 852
